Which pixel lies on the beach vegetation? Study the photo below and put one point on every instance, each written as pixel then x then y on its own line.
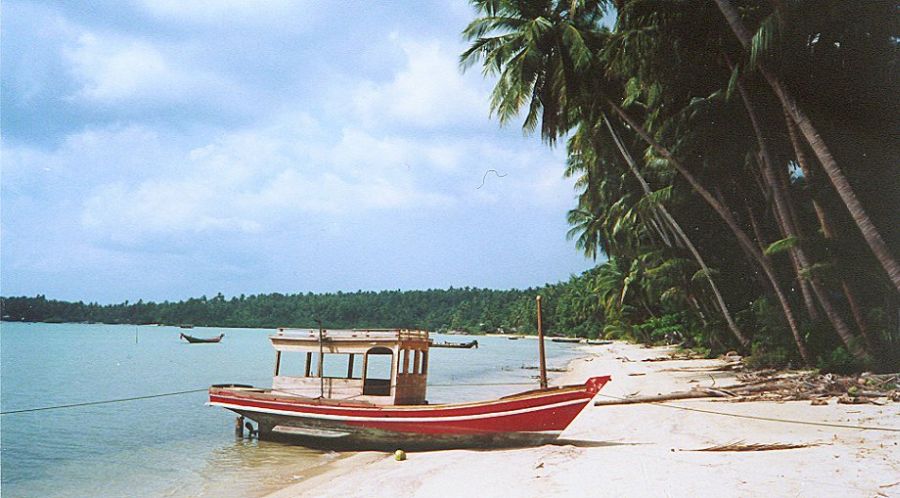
pixel 735 163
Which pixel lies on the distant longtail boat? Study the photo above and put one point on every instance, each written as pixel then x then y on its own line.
pixel 201 340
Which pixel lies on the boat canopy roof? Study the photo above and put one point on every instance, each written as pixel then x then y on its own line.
pixel 349 341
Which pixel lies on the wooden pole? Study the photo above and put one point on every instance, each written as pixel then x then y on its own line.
pixel 543 360
pixel 321 360
pixel 239 427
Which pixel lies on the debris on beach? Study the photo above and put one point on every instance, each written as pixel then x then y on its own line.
pixel 688 355
pixel 549 369
pixel 793 386
pixel 741 446
pixel 866 388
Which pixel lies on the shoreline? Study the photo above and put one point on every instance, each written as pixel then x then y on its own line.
pixel 648 449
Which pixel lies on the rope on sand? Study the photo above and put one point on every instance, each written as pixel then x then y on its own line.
pixel 766 419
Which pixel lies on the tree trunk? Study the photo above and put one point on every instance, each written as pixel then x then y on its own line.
pixel 754 225
pixel 799 259
pixel 855 309
pixel 743 340
pixel 729 220
pixel 820 149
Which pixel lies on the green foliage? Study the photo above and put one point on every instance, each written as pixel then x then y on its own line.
pixel 780 246
pixel 650 105
pixel 569 308
pixel 732 82
pixel 839 361
pixel 762 357
pixel 666 329
pixel 763 40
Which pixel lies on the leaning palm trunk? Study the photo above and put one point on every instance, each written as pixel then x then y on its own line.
pixel 820 149
pixel 798 255
pixel 729 220
pixel 805 291
pixel 743 340
pixel 855 309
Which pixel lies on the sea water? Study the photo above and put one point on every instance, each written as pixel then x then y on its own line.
pixel 176 445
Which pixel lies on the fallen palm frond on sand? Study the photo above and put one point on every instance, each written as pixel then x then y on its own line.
pixel 741 446
pixel 676 356
pixel 789 386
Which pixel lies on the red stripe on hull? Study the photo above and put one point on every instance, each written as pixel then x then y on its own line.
pixel 304 406
pixel 551 419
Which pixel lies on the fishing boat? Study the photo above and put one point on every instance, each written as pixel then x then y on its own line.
pixel 201 340
pixel 459 345
pixel 566 339
pixel 335 397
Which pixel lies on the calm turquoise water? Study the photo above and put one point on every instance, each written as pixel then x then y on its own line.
pixel 176 446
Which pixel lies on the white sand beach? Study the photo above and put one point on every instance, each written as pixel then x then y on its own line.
pixel 648 449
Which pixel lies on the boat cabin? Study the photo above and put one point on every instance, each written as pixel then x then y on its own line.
pixel 380 366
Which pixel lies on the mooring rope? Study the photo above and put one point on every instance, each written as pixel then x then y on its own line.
pixel 107 401
pixel 766 419
pixel 204 389
pixel 480 384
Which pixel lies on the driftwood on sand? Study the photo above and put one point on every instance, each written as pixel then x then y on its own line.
pixel 549 369
pixel 764 386
pixel 693 393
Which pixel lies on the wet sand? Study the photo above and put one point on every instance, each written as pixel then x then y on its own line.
pixel 648 449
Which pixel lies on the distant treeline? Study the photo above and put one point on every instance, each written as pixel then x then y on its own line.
pixel 466 309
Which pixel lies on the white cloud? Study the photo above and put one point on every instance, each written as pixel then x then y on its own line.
pixel 251 181
pixel 84 158
pixel 112 69
pixel 428 92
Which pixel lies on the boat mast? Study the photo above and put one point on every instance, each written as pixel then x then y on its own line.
pixel 541 346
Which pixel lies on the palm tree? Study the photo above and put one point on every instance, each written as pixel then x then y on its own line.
pixel 823 153
pixel 799 258
pixel 720 301
pixel 543 60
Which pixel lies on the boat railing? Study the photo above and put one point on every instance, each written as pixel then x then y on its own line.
pixel 358 334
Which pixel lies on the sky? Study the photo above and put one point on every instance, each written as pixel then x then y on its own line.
pixel 162 149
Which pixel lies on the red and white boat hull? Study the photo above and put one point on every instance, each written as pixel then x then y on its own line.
pixel 528 418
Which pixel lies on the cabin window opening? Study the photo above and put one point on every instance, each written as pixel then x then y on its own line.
pixel 377 379
pixel 357 367
pixel 292 364
pixel 417 362
pixel 406 362
pixel 335 365
pixel 424 362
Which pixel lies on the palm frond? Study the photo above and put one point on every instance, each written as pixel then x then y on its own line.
pixel 764 39
pixel 781 245
pixel 702 274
